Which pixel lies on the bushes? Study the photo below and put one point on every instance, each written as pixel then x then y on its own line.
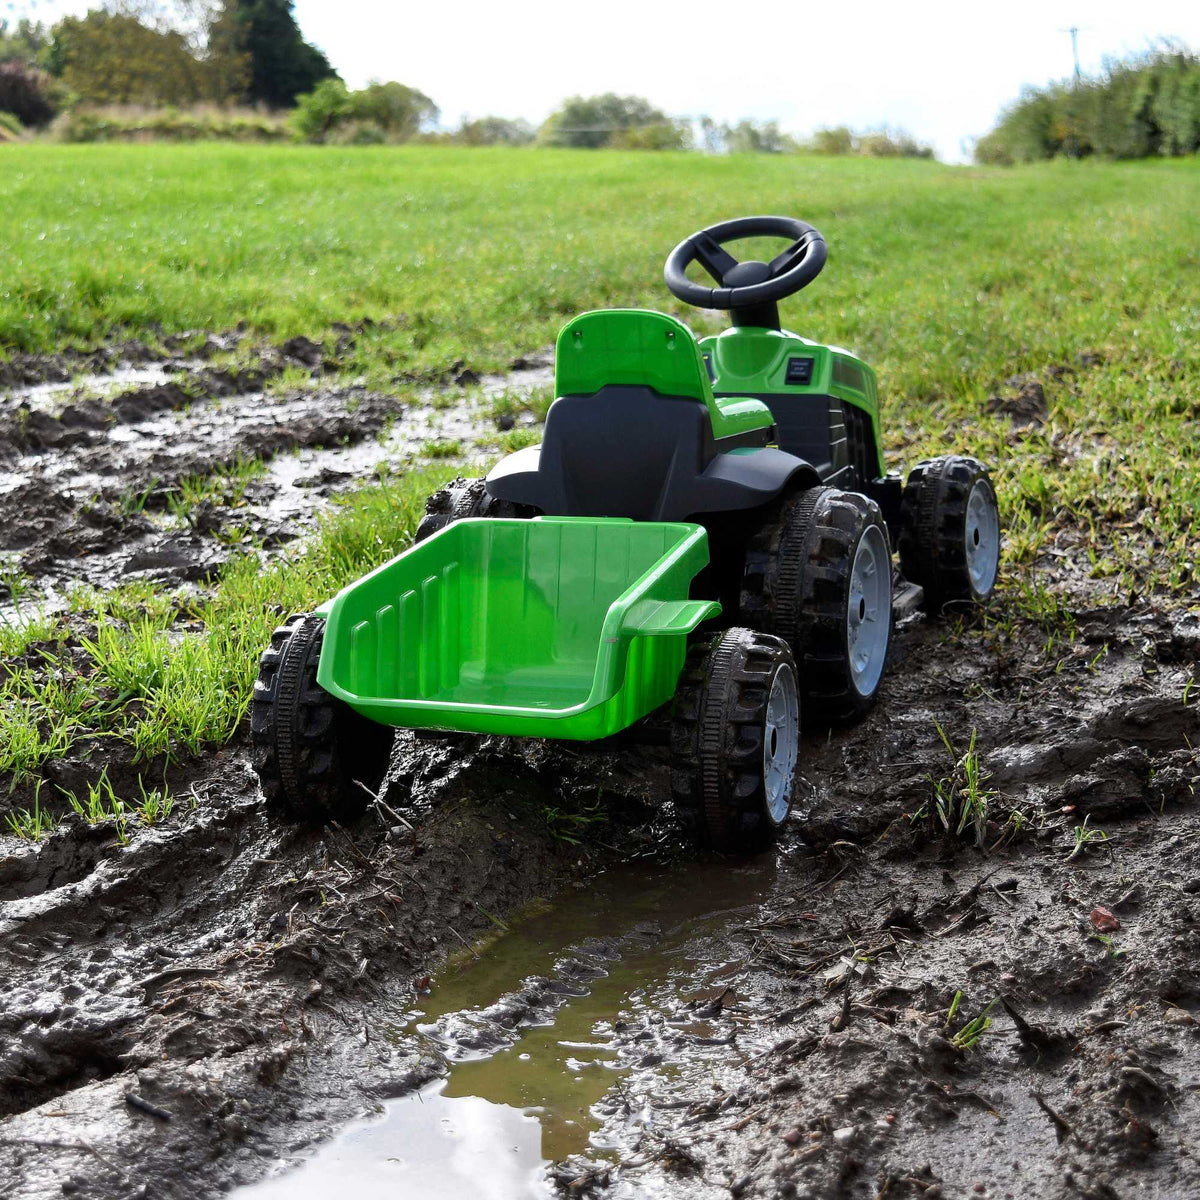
pixel 381 112
pixel 592 122
pixel 875 143
pixel 28 94
pixel 132 124
pixel 1136 108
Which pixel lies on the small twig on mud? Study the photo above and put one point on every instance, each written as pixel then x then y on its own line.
pixel 144 1105
pixel 843 1018
pixel 387 810
pixel 164 977
pixel 1062 1127
pixel 741 1124
pixel 462 939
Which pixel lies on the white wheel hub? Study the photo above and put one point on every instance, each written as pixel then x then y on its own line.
pixel 982 538
pixel 781 742
pixel 869 611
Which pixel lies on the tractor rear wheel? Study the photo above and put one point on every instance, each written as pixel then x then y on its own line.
pixel 464 498
pixel 311 751
pixel 820 577
pixel 950 531
pixel 735 740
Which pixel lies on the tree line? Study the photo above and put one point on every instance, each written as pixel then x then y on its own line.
pixel 1135 108
pixel 167 59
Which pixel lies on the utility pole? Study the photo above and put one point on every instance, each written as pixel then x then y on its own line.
pixel 1074 32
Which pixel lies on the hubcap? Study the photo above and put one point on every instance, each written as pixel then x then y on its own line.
pixel 983 539
pixel 781 745
pixel 869 611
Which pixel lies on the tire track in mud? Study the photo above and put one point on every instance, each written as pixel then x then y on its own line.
pixel 86 478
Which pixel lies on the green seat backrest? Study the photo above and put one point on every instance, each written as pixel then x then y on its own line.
pixel 634 347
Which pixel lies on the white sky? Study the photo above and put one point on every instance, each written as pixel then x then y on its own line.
pixel 941 70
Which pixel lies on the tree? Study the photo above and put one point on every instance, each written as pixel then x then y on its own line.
pixel 399 110
pixel 111 58
pixel 382 112
pixel 282 65
pixel 594 121
pixel 26 42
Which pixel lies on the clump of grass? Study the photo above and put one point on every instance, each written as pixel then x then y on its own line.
pixel 518 439
pixel 102 804
pixel 291 379
pixel 441 449
pixel 962 800
pixel 968 1037
pixel 31 824
pixel 226 486
pixel 1086 838
pixel 508 405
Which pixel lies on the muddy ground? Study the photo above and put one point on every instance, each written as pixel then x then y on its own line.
pixel 204 1007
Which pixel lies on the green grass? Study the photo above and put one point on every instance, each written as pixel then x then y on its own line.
pixel 166 677
pixel 949 280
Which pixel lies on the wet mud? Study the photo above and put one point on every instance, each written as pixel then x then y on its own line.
pixel 515 949
pixel 94 462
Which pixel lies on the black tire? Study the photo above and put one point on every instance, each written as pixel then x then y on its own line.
pixel 305 740
pixel 947 506
pixel 463 498
pixel 799 583
pixel 721 741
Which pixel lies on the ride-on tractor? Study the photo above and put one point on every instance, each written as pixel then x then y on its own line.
pixel 702 541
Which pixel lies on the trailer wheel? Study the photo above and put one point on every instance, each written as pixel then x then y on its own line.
pixel 735 740
pixel 464 498
pixel 310 750
pixel 950 531
pixel 820 576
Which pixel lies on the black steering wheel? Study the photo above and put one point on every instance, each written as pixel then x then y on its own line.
pixel 749 285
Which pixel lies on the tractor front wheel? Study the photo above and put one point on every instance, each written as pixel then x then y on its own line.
pixel 311 751
pixel 735 740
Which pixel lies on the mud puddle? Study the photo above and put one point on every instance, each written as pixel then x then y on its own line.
pixel 530 1021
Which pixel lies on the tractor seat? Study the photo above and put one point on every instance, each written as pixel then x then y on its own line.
pixel 635 429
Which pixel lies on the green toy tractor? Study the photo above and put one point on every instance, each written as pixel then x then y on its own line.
pixel 703 540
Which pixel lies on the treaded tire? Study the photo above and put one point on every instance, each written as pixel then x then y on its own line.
pixel 797 585
pixel 936 523
pixel 463 498
pixel 305 740
pixel 720 741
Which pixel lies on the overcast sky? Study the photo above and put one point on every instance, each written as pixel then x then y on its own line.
pixel 941 70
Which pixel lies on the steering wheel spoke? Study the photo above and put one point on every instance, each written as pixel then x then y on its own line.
pixel 713 257
pixel 790 257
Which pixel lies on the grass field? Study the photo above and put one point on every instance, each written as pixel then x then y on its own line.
pixel 949 280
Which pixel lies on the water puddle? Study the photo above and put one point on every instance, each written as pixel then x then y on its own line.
pixel 530 1022
pixel 429 1146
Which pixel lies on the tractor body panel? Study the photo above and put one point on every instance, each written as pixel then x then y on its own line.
pixel 550 627
pixel 823 399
